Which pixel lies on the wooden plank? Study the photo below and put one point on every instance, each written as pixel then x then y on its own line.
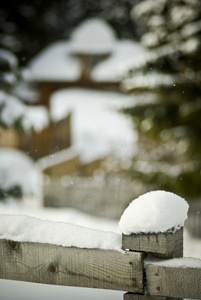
pixel 173 281
pixel 163 245
pixel 53 264
pixel 132 296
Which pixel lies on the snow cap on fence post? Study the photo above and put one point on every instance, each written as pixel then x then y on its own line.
pixel 154 223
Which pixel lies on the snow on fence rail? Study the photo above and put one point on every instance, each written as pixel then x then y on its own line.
pixel 143 261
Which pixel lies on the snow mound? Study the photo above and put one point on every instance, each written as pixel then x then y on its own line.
pixel 156 211
pixel 28 229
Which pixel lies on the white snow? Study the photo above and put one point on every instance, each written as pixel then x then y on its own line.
pixel 183 262
pixel 64 214
pixel 156 211
pixel 20 290
pixel 180 15
pixel 17 168
pixel 97 127
pixel 93 36
pixel 110 68
pixel 12 108
pixel 25 91
pixel 29 229
pixel 32 117
pixel 35 118
pixel 55 63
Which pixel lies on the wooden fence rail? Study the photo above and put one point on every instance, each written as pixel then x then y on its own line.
pixel 53 264
pixel 167 275
pixel 174 281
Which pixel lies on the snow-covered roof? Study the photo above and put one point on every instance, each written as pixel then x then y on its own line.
pixel 58 61
pixel 93 36
pixel 110 68
pixel 55 63
pixel 57 158
pixel 97 127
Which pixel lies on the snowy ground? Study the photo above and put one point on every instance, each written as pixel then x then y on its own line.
pixel 13 290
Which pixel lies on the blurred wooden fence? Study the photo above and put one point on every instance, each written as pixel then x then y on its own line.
pixel 100 197
pixel 193 223
pixel 105 197
pixel 108 269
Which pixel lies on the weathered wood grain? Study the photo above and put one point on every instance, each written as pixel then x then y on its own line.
pixel 52 264
pixel 131 296
pixel 180 282
pixel 163 245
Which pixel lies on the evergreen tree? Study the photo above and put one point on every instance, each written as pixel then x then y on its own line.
pixel 9 78
pixel 166 85
pixel 26 27
pixel 14 92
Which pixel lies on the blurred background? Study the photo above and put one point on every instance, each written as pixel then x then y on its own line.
pixel 99 103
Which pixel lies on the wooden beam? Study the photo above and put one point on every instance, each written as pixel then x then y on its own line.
pixel 53 264
pixel 163 245
pixel 179 281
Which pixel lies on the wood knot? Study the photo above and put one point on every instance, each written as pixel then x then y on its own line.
pixel 13 245
pixel 53 268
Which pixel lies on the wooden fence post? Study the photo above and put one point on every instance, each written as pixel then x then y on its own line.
pixel 161 245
